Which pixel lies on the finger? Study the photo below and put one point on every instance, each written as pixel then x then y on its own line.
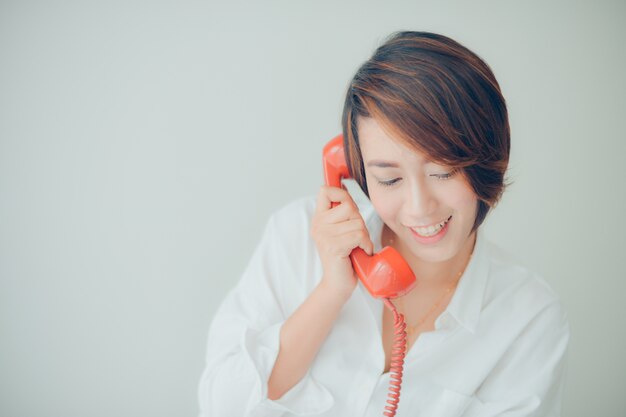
pixel 343 212
pixel 342 228
pixel 336 221
pixel 367 245
pixel 327 195
pixel 350 228
pixel 351 240
pixel 363 238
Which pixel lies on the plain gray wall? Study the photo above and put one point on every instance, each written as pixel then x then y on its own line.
pixel 143 146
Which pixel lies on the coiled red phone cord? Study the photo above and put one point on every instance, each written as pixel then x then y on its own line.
pixel 398 352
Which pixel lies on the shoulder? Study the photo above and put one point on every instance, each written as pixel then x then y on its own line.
pixel 296 262
pixel 290 228
pixel 297 212
pixel 520 290
pixel 290 224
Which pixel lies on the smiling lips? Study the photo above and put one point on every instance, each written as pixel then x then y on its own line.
pixel 431 230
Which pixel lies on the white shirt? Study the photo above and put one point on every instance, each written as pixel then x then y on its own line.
pixel 499 348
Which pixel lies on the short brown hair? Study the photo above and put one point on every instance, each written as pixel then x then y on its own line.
pixel 438 98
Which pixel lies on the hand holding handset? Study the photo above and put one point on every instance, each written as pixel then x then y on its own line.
pixel 385 274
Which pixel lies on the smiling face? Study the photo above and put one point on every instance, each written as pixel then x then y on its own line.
pixel 410 192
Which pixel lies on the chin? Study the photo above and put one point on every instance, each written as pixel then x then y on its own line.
pixel 435 255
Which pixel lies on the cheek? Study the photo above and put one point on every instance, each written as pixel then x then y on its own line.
pixel 376 197
pixel 464 200
pixel 385 205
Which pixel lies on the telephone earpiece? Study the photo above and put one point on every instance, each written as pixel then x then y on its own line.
pixel 385 274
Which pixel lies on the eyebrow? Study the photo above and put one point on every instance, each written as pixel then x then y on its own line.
pixel 382 164
pixel 387 164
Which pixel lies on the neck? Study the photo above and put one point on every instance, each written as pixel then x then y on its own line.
pixel 433 275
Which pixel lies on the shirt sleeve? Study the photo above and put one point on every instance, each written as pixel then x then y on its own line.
pixel 529 379
pixel 243 344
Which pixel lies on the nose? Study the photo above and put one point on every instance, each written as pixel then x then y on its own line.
pixel 420 203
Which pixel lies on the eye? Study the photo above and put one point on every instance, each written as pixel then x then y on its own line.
pixel 388 183
pixel 444 176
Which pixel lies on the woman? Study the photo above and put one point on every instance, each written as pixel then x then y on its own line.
pixel 427 139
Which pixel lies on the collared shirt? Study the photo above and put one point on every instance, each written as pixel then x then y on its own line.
pixel 498 349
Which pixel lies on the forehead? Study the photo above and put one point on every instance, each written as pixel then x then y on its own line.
pixel 376 143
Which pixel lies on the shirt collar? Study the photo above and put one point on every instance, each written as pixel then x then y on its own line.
pixel 467 301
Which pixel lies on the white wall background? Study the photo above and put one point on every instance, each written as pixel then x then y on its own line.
pixel 143 146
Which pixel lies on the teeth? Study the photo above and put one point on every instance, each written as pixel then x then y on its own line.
pixel 432 230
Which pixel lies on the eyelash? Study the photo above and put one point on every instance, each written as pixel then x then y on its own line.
pixel 439 176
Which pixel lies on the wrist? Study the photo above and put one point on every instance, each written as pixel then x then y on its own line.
pixel 334 291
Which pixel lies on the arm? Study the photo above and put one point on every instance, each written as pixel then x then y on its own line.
pixel 301 337
pixel 336 232
pixel 255 324
pixel 244 338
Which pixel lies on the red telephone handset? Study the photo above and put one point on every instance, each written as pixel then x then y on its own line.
pixel 385 274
